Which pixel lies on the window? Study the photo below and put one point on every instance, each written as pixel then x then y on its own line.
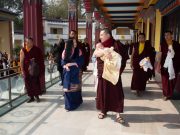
pixel 123 31
pixel 56 31
pixel 172 22
pixel 81 31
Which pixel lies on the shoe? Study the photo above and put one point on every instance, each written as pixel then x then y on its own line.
pixel 101 115
pixel 120 120
pixel 138 93
pixel 165 98
pixel 30 100
pixel 37 99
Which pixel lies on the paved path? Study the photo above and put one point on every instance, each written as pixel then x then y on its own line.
pixel 146 115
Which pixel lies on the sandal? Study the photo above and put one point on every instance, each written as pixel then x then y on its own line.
pixel 120 120
pixel 101 115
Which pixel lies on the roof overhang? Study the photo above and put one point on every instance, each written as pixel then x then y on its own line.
pixel 6 15
pixel 120 12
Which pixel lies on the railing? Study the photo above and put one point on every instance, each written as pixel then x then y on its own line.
pixel 12 90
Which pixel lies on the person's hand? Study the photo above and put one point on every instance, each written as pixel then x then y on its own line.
pixel 158 67
pixel 76 64
pixel 131 65
pixel 108 56
pixel 66 67
pixel 72 64
pixel 22 74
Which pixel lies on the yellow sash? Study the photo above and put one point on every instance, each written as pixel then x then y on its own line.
pixel 141 47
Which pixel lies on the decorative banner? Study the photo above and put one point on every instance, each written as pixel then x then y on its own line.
pixel 88 5
pixel 72 9
pixel 97 15
pixel 102 20
pixel 88 19
pixel 97 25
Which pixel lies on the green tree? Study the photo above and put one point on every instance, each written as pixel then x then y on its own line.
pixel 16 50
pixel 12 5
pixel 18 23
pixel 56 9
pixel 59 9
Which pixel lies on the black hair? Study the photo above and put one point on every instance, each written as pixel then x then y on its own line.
pixel 107 31
pixel 168 31
pixel 142 34
pixel 68 50
pixel 29 38
pixel 73 31
pixel 62 41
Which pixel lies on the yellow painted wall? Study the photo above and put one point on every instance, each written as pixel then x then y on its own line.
pixel 158 29
pixel 147 28
pixel 4 37
pixel 142 26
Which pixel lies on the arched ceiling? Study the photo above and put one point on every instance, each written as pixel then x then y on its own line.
pixel 120 12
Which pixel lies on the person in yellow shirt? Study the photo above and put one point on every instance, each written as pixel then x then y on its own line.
pixel 141 50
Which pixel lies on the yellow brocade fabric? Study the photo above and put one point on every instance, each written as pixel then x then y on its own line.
pixel 111 67
pixel 141 47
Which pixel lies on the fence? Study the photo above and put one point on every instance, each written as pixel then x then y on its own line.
pixel 12 89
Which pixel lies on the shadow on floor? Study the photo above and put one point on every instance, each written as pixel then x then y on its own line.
pixel 140 108
pixel 147 118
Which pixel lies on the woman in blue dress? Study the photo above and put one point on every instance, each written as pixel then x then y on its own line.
pixel 72 61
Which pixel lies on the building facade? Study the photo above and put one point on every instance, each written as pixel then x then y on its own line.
pixel 55 29
pixel 6 32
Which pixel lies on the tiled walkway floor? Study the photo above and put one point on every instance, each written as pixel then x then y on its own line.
pixel 146 115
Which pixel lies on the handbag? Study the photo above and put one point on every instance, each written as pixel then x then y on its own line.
pixel 33 68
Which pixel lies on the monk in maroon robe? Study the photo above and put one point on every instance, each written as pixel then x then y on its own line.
pixel 109 97
pixel 86 54
pixel 32 83
pixel 169 84
pixel 141 50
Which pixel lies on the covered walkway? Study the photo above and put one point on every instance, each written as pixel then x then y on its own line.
pixel 146 115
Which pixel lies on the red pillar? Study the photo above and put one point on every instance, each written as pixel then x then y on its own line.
pixel 33 21
pixel 97 26
pixel 88 8
pixel 89 29
pixel 73 15
pixel 33 26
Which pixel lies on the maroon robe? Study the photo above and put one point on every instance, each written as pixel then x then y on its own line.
pixel 32 84
pixel 168 85
pixel 110 97
pixel 140 77
pixel 86 54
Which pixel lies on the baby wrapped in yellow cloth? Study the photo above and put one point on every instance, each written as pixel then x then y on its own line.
pixel 112 66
